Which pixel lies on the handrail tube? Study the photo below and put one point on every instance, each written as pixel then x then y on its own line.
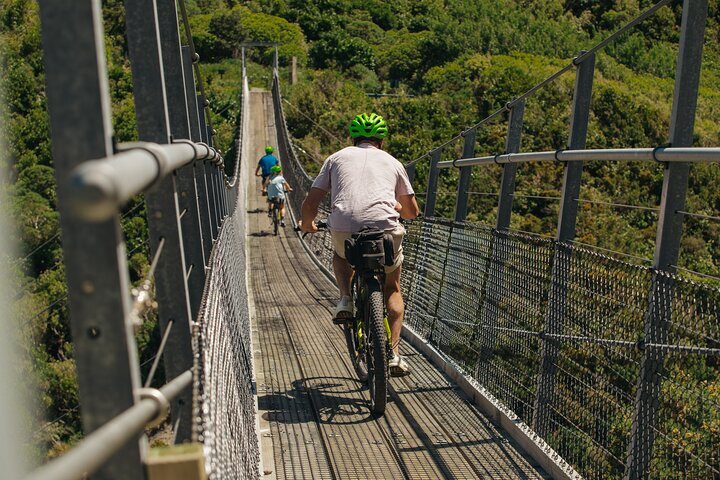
pixel 98 447
pixel 100 187
pixel 662 155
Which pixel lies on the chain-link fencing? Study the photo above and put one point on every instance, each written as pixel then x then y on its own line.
pixel 224 388
pixel 603 358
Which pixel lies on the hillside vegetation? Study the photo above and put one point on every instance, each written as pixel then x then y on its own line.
pixel 447 64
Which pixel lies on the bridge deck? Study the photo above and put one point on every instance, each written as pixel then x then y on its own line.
pixel 314 416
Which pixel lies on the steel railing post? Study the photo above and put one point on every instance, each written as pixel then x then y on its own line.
pixel 431 192
pixel 94 253
pixel 494 292
pixel 200 175
pixel 465 173
pixel 667 241
pixel 410 169
pixel 171 288
pixel 567 220
pixel 185 181
pixel 209 171
pixel 507 183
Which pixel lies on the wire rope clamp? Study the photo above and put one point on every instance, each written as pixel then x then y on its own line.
pixel 657 149
pixel 579 58
pixel 163 405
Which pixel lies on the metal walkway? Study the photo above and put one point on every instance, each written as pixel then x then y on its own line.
pixel 314 416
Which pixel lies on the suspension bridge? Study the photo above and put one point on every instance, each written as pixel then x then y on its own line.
pixel 533 357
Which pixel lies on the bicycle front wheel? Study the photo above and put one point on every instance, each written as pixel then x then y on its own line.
pixel 376 347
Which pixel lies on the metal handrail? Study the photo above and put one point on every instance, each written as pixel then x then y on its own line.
pixel 98 447
pixel 661 155
pixel 100 187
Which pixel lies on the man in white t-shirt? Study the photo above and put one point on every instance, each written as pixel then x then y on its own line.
pixel 368 188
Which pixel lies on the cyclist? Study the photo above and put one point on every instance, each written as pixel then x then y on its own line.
pixel 266 162
pixel 368 188
pixel 276 188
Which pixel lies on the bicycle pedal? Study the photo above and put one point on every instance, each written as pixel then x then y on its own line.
pixel 398 372
pixel 341 320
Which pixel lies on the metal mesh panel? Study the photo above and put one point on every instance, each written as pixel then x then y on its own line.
pixel 595 319
pixel 565 336
pixel 512 312
pixel 321 244
pixel 224 406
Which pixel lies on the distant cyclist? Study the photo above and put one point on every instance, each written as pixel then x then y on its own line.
pixel 266 162
pixel 276 188
pixel 368 188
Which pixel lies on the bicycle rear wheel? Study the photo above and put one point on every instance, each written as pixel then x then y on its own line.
pixel 276 218
pixel 375 347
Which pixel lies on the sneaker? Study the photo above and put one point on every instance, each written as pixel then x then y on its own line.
pixel 398 367
pixel 343 310
pixel 282 223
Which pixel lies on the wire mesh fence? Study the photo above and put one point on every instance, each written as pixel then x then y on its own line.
pixel 224 391
pixel 603 358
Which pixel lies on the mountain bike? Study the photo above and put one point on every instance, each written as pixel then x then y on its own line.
pixel 367 334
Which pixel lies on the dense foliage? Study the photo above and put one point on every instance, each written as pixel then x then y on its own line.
pixel 446 63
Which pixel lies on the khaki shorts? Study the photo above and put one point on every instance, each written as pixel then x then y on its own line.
pixel 398 234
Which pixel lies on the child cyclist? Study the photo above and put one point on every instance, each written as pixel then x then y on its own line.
pixel 276 188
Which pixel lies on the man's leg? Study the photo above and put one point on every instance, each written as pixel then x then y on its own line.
pixel 395 306
pixel 343 274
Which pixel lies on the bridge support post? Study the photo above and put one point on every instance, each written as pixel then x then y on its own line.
pixel 209 172
pixel 410 169
pixel 557 313
pixel 200 175
pixel 163 210
pixel 667 241
pixel 465 173
pixel 186 180
pixel 431 192
pixel 494 292
pixel 94 253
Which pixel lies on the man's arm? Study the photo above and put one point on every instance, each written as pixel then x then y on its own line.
pixel 257 170
pixel 310 209
pixel 287 187
pixel 409 207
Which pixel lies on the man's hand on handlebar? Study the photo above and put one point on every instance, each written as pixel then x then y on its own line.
pixel 311 228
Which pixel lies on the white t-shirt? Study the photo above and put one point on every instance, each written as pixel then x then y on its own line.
pixel 276 187
pixel 364 184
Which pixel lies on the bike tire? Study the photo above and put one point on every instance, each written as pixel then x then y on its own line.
pixel 276 222
pixel 376 348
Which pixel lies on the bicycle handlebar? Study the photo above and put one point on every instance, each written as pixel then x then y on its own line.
pixel 321 225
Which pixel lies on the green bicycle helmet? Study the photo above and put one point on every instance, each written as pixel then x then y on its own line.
pixel 276 169
pixel 269 149
pixel 368 126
